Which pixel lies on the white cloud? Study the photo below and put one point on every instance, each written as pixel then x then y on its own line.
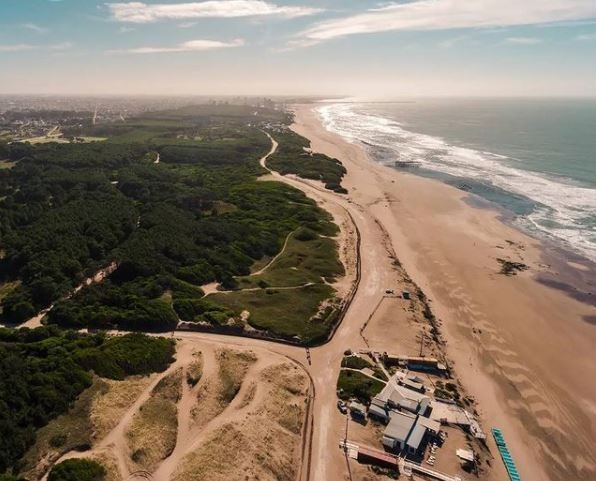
pixel 451 42
pixel 138 12
pixel 34 27
pixel 60 46
pixel 452 14
pixel 523 40
pixel 586 37
pixel 20 47
pixel 16 47
pixel 190 46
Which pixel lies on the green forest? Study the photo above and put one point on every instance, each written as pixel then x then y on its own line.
pixel 200 215
pixel 173 200
pixel 294 157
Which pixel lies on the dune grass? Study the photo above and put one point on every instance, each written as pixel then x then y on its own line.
pixel 289 312
pixel 233 366
pixel 304 260
pixel 153 431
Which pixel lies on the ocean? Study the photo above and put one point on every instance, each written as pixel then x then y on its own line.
pixel 534 158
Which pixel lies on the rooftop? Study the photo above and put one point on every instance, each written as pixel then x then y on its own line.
pixel 377 411
pixel 356 406
pixel 401 392
pixel 400 426
pixel 416 436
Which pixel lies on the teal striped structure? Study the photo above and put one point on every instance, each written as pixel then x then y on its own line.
pixel 505 455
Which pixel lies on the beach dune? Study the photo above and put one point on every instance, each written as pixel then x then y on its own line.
pixel 522 349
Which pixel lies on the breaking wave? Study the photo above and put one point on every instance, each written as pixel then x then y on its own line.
pixel 561 210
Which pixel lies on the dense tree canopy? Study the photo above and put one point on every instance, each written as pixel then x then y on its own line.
pixel 198 216
pixel 68 210
pixel 78 470
pixel 294 156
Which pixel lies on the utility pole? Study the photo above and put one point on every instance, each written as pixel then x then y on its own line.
pixel 422 343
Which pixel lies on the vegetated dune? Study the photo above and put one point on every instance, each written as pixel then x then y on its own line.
pixel 213 405
pixel 71 431
pixel 194 371
pixel 216 391
pixel 108 408
pixel 110 463
pixel 262 435
pixel 233 366
pixel 152 433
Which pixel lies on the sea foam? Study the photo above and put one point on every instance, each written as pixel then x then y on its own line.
pixel 563 210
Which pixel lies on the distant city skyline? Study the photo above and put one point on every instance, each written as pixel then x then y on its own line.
pixel 300 47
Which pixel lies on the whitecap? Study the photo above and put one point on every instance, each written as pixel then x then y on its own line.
pixel 562 206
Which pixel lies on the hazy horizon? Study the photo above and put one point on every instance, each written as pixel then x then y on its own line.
pixel 422 48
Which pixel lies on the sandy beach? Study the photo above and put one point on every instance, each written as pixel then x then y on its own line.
pixel 521 347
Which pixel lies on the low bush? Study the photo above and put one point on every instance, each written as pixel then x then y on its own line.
pixel 78 470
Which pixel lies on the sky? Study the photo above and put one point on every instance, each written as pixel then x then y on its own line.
pixel 364 48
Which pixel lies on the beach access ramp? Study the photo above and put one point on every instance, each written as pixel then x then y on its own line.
pixel 505 455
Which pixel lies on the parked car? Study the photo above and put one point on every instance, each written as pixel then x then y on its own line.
pixel 342 406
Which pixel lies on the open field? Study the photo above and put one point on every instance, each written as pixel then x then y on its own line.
pixel 289 311
pixel 307 258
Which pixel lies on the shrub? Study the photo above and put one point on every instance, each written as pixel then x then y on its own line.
pixel 58 440
pixel 78 470
pixel 355 362
pixel 305 234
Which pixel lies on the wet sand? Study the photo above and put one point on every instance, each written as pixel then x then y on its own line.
pixel 522 345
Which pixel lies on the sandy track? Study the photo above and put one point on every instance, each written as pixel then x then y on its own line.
pixel 191 435
pixel 99 276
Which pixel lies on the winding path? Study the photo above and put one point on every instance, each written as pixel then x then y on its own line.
pixel 322 459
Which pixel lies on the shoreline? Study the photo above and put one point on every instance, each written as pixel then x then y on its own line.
pixel 495 195
pixel 514 340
